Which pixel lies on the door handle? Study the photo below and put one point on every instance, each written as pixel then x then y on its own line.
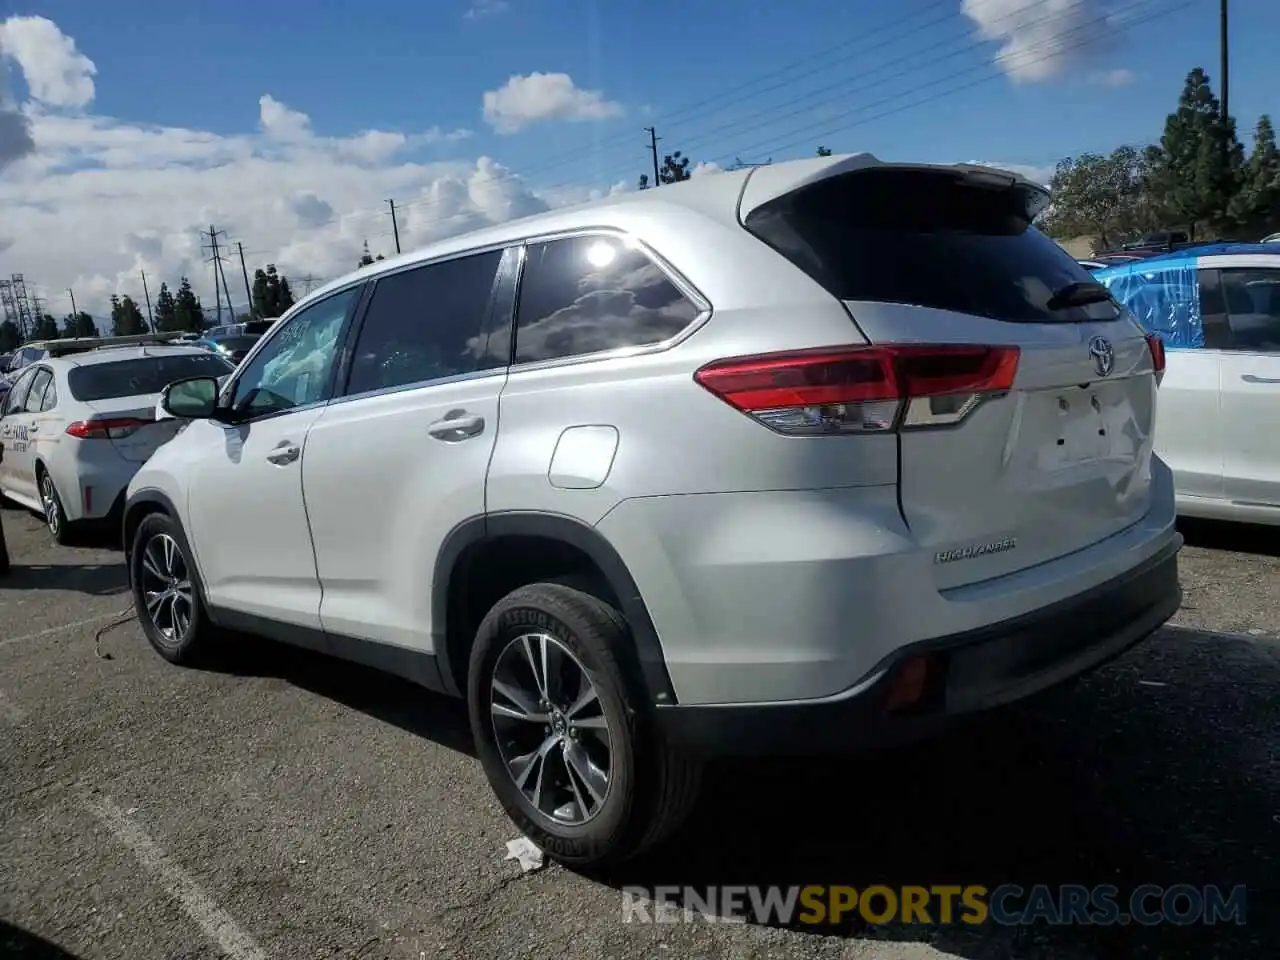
pixel 285 452
pixel 457 425
pixel 1251 378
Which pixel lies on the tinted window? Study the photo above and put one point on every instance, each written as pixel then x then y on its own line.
pixel 927 239
pixel 1253 308
pixel 425 324
pixel 294 367
pixel 137 377
pixel 39 381
pixel 50 399
pixel 236 343
pixel 585 294
pixel 17 395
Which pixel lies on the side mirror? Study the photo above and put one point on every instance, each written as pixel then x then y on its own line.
pixel 193 399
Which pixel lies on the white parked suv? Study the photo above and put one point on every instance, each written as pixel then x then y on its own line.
pixel 792 459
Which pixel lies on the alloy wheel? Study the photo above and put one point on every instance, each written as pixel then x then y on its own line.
pixel 166 587
pixel 550 728
pixel 49 500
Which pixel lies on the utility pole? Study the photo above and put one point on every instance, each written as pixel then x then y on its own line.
pixel 653 150
pixel 395 227
pixel 72 294
pixel 151 320
pixel 1223 52
pixel 248 292
pixel 216 259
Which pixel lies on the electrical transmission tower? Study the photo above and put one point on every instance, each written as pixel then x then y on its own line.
pixel 10 306
pixel 26 320
pixel 219 272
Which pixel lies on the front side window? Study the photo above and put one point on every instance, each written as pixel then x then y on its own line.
pixel 295 366
pixel 423 324
pixel 1252 298
pixel 39 382
pixel 582 295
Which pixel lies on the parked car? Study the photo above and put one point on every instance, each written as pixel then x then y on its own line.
pixel 75 428
pixel 235 347
pixel 1092 265
pixel 1217 310
pixel 1271 238
pixel 797 458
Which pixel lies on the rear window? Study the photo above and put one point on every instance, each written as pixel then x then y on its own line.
pixel 137 377
pixel 928 239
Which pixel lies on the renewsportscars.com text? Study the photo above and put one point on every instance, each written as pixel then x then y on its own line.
pixel 1007 905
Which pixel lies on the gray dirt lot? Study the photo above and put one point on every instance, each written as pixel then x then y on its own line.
pixel 283 806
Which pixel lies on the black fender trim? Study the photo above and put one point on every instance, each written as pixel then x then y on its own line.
pixel 575 533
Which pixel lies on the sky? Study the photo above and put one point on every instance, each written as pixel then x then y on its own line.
pixel 128 128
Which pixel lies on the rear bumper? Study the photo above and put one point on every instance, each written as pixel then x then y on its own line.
pixel 965 672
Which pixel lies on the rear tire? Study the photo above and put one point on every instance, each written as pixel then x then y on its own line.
pixel 610 788
pixel 166 594
pixel 55 516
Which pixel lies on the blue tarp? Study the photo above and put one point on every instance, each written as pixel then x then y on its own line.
pixel 1163 296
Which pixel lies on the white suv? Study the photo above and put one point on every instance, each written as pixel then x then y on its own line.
pixel 792 459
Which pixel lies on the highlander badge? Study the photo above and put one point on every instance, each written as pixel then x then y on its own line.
pixel 977 550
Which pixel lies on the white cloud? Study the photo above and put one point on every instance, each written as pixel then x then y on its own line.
pixel 1115 78
pixel 702 168
pixel 88 201
pixel 56 72
pixel 1041 39
pixel 486 8
pixel 540 97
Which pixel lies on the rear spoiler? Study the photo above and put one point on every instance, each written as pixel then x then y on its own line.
pixel 61 348
pixel 770 181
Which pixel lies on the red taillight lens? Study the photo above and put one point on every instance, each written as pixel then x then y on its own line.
pixel 862 389
pixel 105 429
pixel 1156 346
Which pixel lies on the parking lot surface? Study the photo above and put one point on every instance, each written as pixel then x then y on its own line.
pixel 280 805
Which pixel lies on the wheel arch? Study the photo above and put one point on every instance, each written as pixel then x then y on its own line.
pixel 533 547
pixel 138 506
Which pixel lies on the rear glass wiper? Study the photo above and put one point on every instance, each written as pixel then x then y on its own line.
pixel 1079 293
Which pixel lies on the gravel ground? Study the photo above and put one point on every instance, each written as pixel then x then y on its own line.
pixel 284 806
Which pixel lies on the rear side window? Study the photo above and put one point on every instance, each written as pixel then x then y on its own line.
pixel 39 382
pixel 425 324
pixel 17 395
pixel 138 377
pixel 581 295
pixel 927 239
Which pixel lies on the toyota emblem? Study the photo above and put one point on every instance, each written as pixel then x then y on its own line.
pixel 1104 356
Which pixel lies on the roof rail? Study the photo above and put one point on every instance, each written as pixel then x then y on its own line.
pixel 59 348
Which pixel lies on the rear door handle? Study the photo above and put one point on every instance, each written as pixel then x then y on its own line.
pixel 285 452
pixel 453 428
pixel 1250 378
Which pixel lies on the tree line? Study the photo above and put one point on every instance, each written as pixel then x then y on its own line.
pixel 179 311
pixel 1197 179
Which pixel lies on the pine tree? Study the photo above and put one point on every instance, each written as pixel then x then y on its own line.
pixel 79 324
pixel 271 293
pixel 1201 159
pixel 10 338
pixel 126 318
pixel 366 257
pixel 47 328
pixel 188 313
pixel 166 310
pixel 1257 205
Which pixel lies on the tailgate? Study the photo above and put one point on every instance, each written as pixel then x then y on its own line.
pixel 1042 445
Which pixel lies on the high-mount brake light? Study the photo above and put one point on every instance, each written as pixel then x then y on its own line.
pixel 116 429
pixel 862 389
pixel 1156 346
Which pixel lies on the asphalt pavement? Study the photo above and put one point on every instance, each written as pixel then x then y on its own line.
pixel 280 805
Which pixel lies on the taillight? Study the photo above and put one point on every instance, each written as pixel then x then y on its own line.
pixel 1156 345
pixel 862 389
pixel 116 429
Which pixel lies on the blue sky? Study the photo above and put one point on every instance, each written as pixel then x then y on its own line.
pixel 406 65
pixel 289 125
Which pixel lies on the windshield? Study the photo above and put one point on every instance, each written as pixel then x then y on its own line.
pixel 926 239
pixel 136 377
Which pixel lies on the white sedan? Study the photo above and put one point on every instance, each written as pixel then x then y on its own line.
pixel 75 429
